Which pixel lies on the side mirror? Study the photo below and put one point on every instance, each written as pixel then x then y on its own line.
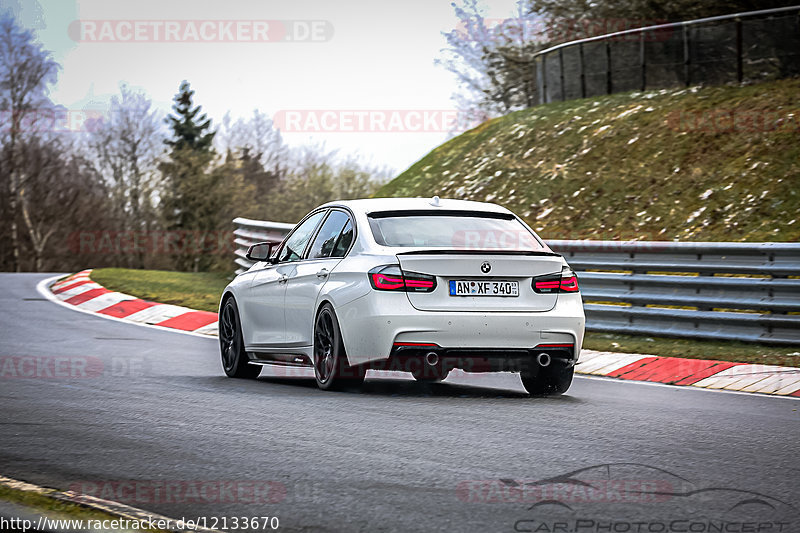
pixel 261 251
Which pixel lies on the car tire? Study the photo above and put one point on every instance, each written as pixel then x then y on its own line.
pixel 331 368
pixel 231 344
pixel 427 374
pixel 550 381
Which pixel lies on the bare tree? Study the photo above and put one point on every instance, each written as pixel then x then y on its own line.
pixel 126 147
pixel 288 182
pixel 493 62
pixel 254 138
pixel 317 175
pixel 356 179
pixel 26 72
pixel 574 19
pixel 255 154
pixel 61 193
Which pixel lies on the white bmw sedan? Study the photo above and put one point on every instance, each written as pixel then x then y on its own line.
pixel 411 284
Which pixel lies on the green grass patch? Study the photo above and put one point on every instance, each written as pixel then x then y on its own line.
pixel 737 352
pixel 197 290
pixel 42 504
pixel 698 164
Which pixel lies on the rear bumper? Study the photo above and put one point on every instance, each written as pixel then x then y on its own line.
pixel 411 358
pixel 373 324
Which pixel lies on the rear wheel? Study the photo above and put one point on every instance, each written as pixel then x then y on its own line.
pixel 548 381
pixel 231 344
pixel 330 360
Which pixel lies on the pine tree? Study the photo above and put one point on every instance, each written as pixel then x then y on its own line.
pixel 193 197
pixel 191 129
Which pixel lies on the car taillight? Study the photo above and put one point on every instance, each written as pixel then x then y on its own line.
pixel 391 278
pixel 554 283
pixel 569 284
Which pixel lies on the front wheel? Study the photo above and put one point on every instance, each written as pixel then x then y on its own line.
pixel 231 344
pixel 330 360
pixel 548 381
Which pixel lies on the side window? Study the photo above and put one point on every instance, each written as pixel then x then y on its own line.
pixel 328 235
pixel 345 239
pixel 293 248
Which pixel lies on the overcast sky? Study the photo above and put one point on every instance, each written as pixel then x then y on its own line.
pixel 354 56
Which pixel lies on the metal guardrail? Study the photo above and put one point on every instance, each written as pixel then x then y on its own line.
pixel 702 290
pixel 249 232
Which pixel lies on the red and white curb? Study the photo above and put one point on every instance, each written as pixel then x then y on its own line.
pixel 79 291
pixel 721 375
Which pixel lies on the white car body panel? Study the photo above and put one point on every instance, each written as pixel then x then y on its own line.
pixel 263 306
pixel 278 303
pixel 303 289
pixel 511 268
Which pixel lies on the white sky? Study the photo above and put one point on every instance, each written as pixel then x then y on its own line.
pixel 380 58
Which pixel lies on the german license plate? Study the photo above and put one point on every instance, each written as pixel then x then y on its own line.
pixel 460 287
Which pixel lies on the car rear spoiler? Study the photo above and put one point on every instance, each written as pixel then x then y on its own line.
pixel 481 252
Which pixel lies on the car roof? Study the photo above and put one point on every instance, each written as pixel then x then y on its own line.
pixel 372 205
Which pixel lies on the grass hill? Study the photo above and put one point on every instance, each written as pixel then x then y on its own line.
pixel 698 164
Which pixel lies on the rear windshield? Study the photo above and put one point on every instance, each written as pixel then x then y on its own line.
pixel 461 230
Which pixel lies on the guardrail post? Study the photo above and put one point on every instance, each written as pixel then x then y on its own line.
pixel 539 86
pixel 739 51
pixel 643 60
pixel 687 56
pixel 583 70
pixel 609 82
pixel 561 73
pixel 703 274
pixel 544 79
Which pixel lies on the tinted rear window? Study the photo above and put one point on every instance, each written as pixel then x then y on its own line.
pixel 461 230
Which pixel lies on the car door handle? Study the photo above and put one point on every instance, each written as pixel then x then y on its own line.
pixel 323 273
pixel 283 279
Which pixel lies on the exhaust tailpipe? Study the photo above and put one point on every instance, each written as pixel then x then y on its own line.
pixel 543 359
pixel 432 358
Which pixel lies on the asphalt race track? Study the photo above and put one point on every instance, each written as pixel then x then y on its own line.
pixel 152 407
